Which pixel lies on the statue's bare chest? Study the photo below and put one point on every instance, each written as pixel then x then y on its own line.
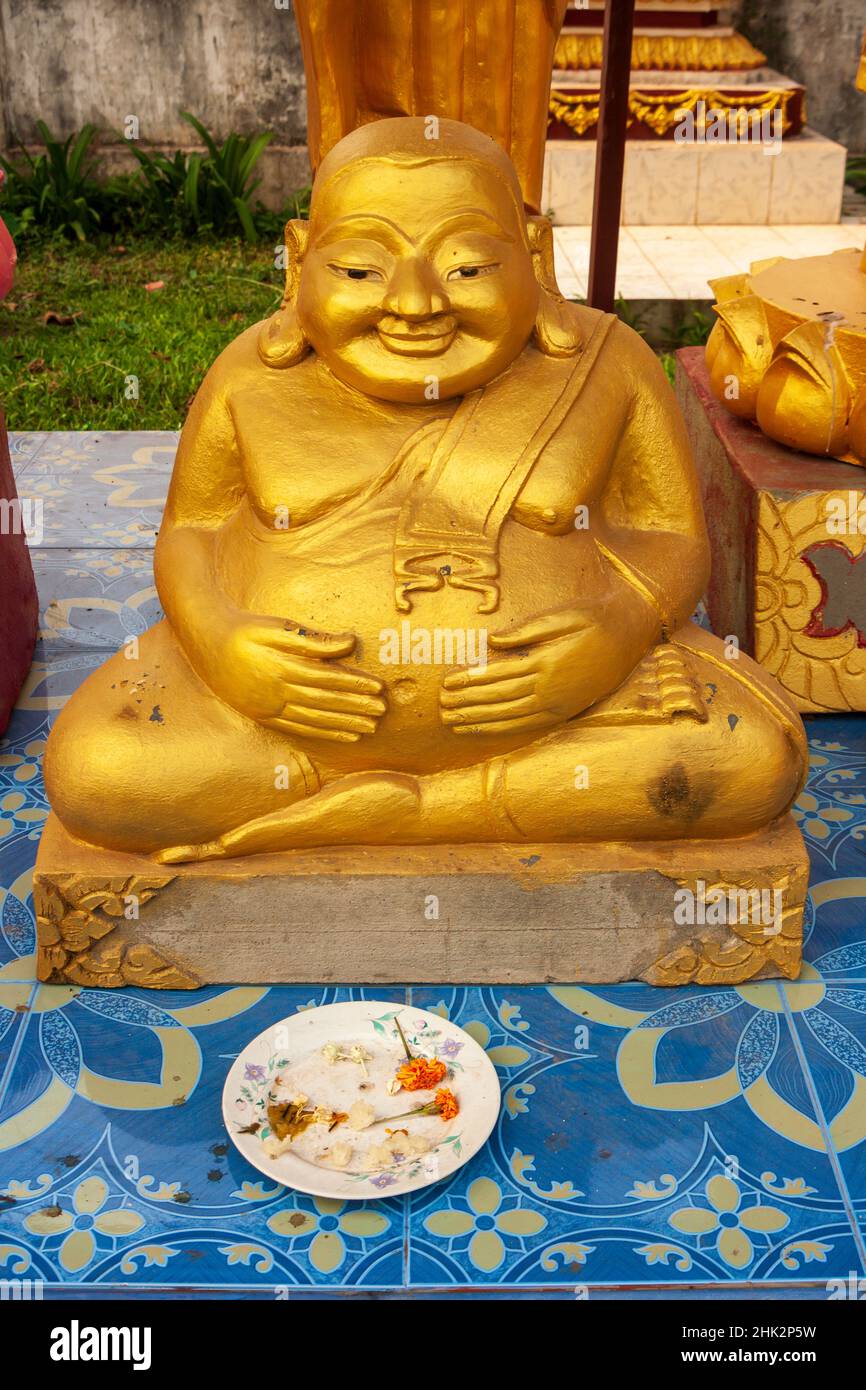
pixel 305 457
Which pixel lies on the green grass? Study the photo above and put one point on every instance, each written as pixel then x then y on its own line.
pixel 75 377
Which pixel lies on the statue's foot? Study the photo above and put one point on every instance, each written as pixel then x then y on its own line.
pixel 364 808
pixel 181 854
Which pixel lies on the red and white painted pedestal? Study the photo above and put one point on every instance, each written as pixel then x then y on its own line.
pixel 18 604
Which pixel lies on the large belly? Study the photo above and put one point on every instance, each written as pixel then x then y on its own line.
pixel 338 592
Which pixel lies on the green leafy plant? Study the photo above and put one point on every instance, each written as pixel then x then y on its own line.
pixel 169 191
pixel 694 330
pixel 634 318
pixel 202 194
pixel 855 172
pixel 54 191
pixel 213 191
pixel 669 362
pixel 299 203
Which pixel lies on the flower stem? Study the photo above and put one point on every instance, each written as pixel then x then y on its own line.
pixel 409 1057
pixel 431 1108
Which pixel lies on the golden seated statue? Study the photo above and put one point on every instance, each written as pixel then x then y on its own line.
pixel 426 452
pixel 429 556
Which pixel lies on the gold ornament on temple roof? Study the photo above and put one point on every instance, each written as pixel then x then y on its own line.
pixel 580 50
pixel 434 534
pixel 663 111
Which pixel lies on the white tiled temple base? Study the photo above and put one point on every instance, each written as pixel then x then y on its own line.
pixel 667 183
pixel 677 262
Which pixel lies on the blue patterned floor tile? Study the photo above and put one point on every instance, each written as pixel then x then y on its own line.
pixel 23 810
pixel 24 446
pixel 49 684
pixel 831 813
pixel 643 1136
pixel 105 490
pixel 93 600
pixel 15 999
pixel 830 1020
pixel 836 944
pixel 114 1154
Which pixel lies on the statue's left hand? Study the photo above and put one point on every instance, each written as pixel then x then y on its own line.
pixel 547 672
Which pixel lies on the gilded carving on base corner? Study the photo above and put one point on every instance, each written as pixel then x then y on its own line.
pixel 82 935
pixel 753 949
pixel 815 652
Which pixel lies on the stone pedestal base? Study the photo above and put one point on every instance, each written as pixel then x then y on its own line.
pixel 697 912
pixel 788 535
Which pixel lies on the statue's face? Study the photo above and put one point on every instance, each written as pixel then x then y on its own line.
pixel 417 281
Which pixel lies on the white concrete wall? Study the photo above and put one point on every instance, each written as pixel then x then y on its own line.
pixel 236 63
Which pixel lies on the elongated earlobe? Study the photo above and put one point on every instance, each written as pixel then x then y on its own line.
pixel 282 341
pixel 556 330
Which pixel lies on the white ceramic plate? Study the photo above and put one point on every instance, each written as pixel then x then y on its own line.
pixel 292 1051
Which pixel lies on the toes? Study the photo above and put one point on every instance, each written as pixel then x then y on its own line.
pixel 180 854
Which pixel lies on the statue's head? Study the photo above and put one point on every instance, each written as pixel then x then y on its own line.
pixel 419 274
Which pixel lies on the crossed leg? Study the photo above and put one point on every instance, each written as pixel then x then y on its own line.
pixel 143 756
pixel 723 777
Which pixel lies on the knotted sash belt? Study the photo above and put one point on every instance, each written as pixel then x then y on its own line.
pixel 449 525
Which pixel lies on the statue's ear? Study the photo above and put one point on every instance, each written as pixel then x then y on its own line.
pixel 297 239
pixel 282 341
pixel 556 328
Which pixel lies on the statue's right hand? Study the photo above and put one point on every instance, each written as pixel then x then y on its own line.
pixel 289 678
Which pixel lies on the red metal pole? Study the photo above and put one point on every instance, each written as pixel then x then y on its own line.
pixel 610 152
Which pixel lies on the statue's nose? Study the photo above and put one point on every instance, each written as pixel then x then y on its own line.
pixel 415 291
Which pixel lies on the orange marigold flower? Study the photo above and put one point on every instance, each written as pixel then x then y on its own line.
pixel 421 1074
pixel 447 1105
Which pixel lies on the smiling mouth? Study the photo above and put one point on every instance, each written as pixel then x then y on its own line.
pixel 418 340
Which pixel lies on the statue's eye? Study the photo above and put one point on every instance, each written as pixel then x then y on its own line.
pixel 356 272
pixel 470 272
